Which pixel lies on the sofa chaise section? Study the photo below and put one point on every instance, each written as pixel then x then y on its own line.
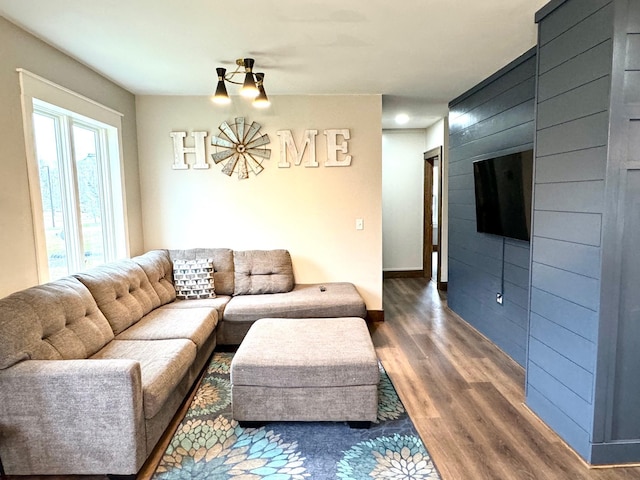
pixel 303 301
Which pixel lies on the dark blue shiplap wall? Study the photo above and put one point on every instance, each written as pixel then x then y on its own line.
pixel 572 124
pixel 494 118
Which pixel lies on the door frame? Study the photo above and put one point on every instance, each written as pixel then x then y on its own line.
pixel 430 157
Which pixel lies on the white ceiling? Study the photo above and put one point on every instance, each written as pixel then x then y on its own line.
pixel 419 54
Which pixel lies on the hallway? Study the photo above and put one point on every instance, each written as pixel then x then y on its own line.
pixel 466 397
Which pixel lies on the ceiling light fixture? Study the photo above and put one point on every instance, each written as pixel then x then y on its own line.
pixel 402 118
pixel 252 86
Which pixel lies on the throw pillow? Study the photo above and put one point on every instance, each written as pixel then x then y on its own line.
pixel 193 279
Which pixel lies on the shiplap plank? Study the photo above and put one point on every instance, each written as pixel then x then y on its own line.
pixel 588 33
pixel 583 228
pixel 633 16
pixel 633 52
pixel 517 275
pixel 514 76
pixel 508 99
pixel 590 65
pixel 579 165
pixel 460 227
pixel 632 87
pixel 510 138
pixel 493 125
pixel 466 212
pixel 460 168
pixel 574 377
pixel 566 17
pixel 583 101
pixel 573 317
pixel 633 140
pixel 460 182
pixel 570 431
pixel 578 134
pixel 517 254
pixel 481 263
pixel 577 349
pixel 480 243
pixel 585 197
pixel 571 404
pixel 519 296
pixel 576 288
pixel 574 406
pixel 580 259
pixel 463 196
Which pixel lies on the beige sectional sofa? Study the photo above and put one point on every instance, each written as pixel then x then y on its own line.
pixel 94 366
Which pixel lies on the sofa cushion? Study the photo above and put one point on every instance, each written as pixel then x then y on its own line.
pixel 305 300
pixel 193 279
pixel 195 324
pixel 219 303
pixel 55 321
pixel 163 364
pixel 222 259
pixel 262 271
pixel 122 291
pixel 157 265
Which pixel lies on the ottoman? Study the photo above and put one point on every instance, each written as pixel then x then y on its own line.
pixel 311 369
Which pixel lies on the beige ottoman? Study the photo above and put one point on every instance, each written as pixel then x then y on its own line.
pixel 311 369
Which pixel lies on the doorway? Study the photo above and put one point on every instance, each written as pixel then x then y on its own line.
pixel 432 216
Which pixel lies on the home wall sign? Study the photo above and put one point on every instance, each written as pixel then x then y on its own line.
pixel 288 148
pixel 239 147
pixel 242 149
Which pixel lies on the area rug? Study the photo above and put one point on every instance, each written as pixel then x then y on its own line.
pixel 209 444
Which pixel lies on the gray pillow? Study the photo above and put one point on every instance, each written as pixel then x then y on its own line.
pixel 262 271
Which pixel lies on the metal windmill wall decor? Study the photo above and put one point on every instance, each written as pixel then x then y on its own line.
pixel 241 148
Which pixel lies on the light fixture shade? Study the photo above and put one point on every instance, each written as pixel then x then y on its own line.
pixel 221 96
pixel 249 88
pixel 261 101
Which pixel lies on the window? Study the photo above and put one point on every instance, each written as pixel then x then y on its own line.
pixel 75 180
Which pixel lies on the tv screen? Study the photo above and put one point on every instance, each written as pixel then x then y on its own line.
pixel 503 195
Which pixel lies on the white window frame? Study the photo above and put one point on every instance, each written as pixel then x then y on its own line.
pixel 73 108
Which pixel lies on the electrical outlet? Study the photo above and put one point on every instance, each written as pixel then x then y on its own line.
pixel 359 223
pixel 499 298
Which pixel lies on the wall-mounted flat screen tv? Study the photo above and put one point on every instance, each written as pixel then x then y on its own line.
pixel 503 188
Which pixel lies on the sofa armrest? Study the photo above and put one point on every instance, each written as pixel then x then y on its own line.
pixel 78 416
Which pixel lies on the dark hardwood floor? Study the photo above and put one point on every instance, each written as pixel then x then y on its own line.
pixel 466 397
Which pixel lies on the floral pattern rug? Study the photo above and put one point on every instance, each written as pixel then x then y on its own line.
pixel 210 445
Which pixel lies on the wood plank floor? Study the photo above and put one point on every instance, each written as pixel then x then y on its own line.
pixel 466 397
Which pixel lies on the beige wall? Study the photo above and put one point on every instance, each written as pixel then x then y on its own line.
pixel 19 49
pixel 309 211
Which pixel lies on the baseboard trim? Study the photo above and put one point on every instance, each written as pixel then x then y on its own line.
pixel 375 316
pixel 443 286
pixel 615 454
pixel 403 274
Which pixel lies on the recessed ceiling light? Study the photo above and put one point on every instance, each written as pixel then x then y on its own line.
pixel 402 118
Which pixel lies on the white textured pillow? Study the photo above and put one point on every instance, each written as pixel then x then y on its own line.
pixel 193 279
